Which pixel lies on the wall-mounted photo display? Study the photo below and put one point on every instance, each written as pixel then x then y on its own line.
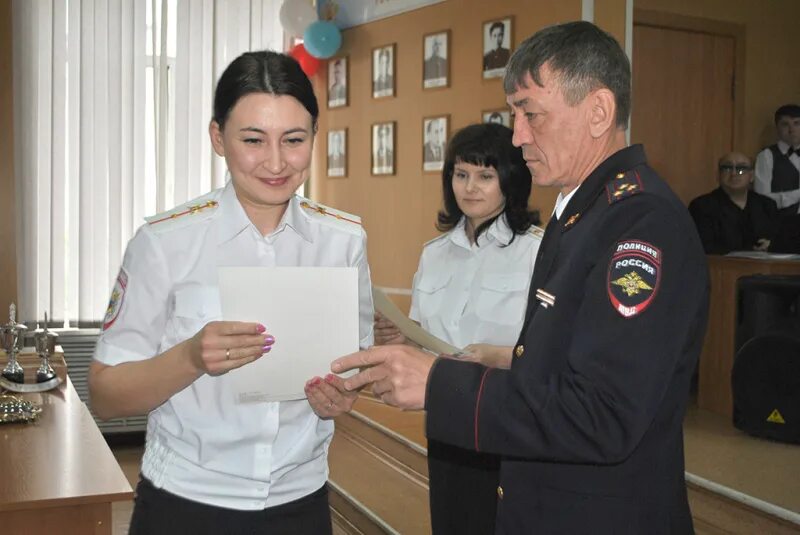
pixel 337 82
pixel 499 116
pixel 337 153
pixel 436 60
pixel 383 148
pixel 383 70
pixel 497 39
pixel 434 137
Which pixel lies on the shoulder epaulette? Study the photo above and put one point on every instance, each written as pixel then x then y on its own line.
pixel 623 185
pixel 198 209
pixel 436 239
pixel 536 231
pixel 331 216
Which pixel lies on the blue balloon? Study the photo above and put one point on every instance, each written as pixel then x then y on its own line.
pixel 322 39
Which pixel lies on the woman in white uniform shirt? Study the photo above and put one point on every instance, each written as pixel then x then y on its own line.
pixel 212 465
pixel 470 290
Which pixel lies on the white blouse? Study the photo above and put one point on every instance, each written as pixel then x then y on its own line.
pixel 467 294
pixel 201 445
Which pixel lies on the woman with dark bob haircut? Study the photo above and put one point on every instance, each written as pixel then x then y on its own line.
pixel 470 290
pixel 213 462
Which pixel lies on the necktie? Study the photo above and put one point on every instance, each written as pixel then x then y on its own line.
pixel 793 150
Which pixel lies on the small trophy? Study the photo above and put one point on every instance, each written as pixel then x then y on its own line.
pixel 45 342
pixel 10 333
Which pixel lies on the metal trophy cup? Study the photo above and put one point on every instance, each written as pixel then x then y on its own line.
pixel 10 333
pixel 45 342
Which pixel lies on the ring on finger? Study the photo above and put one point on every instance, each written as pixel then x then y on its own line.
pixel 227 354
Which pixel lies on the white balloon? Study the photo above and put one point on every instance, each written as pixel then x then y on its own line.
pixel 296 16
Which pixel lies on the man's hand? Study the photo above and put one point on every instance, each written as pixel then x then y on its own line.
pixel 398 373
pixel 386 332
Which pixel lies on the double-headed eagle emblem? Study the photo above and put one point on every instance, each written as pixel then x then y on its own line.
pixel 632 283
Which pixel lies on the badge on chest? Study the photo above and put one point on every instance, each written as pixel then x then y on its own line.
pixel 633 276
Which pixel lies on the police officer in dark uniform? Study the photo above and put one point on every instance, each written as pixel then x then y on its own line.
pixel 588 419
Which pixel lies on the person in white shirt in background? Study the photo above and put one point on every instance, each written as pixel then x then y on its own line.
pixel 213 465
pixel 778 166
pixel 470 290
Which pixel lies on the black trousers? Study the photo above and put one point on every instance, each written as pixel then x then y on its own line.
pixel 158 512
pixel 463 490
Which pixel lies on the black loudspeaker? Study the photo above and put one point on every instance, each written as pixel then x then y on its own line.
pixel 766 369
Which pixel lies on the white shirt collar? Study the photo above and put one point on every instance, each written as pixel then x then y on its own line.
pixel 783 146
pixel 233 218
pixel 498 231
pixel 562 201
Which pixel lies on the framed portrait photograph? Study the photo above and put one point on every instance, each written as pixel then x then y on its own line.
pixel 383 71
pixel 497 39
pixel 499 116
pixel 436 60
pixel 337 82
pixel 337 153
pixel 383 148
pixel 434 137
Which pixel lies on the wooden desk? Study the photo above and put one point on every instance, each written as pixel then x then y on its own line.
pixel 58 475
pixel 716 362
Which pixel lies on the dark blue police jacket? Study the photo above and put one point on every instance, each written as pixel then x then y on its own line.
pixel 589 418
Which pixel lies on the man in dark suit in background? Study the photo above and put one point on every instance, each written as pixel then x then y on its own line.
pixel 588 419
pixel 733 218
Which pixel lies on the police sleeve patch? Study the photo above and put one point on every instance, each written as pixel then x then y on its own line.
pixel 117 297
pixel 633 276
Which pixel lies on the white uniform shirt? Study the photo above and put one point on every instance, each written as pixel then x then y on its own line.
pixel 200 444
pixel 763 180
pixel 467 294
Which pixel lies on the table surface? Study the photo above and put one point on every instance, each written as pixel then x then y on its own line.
pixel 61 459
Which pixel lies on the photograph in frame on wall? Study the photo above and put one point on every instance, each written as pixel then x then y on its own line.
pixel 337 152
pixel 436 60
pixel 434 137
pixel 499 116
pixel 337 82
pixel 383 71
pixel 383 148
pixel 497 39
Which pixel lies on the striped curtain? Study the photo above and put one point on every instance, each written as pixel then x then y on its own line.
pixel 112 100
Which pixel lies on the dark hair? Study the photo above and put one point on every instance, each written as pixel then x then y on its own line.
pixel 263 72
pixel 583 58
pixel 787 110
pixel 488 145
pixel 497 24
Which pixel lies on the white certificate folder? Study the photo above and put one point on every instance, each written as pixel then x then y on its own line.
pixel 311 311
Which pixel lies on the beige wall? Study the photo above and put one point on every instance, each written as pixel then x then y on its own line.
pixel 399 211
pixel 8 265
pixel 772 75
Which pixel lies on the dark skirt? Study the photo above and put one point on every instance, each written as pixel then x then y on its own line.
pixel 157 512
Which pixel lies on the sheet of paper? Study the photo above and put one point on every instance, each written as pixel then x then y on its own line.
pixel 410 328
pixel 311 311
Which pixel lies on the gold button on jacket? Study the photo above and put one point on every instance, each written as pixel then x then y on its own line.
pixel 519 350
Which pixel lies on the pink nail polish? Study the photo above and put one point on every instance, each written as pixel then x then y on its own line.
pixel 315 381
pixel 329 378
pixel 269 340
pixel 260 328
pixel 266 349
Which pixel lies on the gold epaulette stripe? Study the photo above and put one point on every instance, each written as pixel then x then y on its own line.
pixel 190 210
pixel 323 211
